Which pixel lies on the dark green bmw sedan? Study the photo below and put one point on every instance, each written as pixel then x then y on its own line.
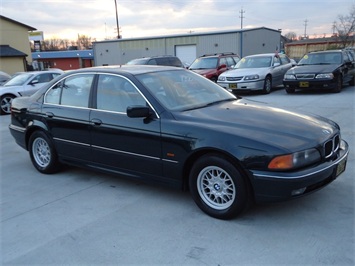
pixel 173 126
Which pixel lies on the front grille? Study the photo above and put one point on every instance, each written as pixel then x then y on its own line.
pixel 305 76
pixel 234 78
pixel 331 146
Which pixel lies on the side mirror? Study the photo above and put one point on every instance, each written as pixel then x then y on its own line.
pixel 138 111
pixel 35 81
pixel 276 64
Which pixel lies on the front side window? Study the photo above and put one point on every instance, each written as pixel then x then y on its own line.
pixel 115 93
pixel 223 61
pixel 43 78
pixel 285 60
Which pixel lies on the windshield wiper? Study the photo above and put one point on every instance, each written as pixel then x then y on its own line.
pixel 210 104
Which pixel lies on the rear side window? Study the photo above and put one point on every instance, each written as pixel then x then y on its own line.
pixel 163 61
pixel 152 62
pixel 72 91
pixel 174 61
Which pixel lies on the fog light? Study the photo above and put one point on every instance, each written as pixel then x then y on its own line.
pixel 297 192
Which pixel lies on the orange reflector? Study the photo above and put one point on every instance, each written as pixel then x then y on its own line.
pixel 281 162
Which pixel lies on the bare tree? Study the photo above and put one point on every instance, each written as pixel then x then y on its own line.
pixel 55 44
pixel 345 28
pixel 292 36
pixel 84 42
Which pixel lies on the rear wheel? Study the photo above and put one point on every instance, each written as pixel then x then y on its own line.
pixel 267 85
pixel 6 104
pixel 218 187
pixel 42 153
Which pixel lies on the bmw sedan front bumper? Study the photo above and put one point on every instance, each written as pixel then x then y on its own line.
pixel 278 186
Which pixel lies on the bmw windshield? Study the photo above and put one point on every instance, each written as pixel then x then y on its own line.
pixel 182 90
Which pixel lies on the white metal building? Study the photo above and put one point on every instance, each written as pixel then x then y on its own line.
pixel 188 46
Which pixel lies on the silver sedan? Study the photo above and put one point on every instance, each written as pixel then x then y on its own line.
pixel 256 72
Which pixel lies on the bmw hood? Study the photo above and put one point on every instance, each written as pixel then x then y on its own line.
pixel 264 124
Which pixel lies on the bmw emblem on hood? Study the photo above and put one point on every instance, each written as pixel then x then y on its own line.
pixel 326 131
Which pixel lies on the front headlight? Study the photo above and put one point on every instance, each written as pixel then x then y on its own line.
pixel 295 160
pixel 290 76
pixel 251 77
pixel 325 76
pixel 220 78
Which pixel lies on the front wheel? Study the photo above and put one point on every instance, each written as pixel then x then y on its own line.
pixel 218 187
pixel 6 104
pixel 339 84
pixel 42 153
pixel 267 85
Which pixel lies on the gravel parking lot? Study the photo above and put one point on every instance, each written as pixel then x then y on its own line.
pixel 79 217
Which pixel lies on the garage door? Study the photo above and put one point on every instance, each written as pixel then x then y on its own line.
pixel 186 53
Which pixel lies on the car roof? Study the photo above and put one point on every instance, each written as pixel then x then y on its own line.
pixel 266 54
pixel 219 55
pixel 41 71
pixel 128 69
pixel 326 51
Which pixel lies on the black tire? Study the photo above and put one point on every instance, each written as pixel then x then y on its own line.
pixel 267 85
pixel 290 90
pixel 5 104
pixel 339 84
pixel 214 79
pixel 218 187
pixel 42 153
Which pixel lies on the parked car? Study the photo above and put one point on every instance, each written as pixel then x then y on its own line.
pixel 173 126
pixel 212 65
pixel 256 72
pixel 23 84
pixel 163 60
pixel 328 70
pixel 4 77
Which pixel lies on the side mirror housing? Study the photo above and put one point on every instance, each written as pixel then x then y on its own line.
pixel 138 111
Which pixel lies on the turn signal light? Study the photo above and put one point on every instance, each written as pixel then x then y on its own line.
pixel 281 162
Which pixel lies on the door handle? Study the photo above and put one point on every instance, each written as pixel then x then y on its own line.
pixel 96 122
pixel 49 114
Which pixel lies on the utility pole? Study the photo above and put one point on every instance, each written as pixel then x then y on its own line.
pixel 334 28
pixel 118 29
pixel 241 18
pixel 305 28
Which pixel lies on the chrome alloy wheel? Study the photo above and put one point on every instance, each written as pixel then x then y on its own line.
pixel 6 104
pixel 41 152
pixel 216 187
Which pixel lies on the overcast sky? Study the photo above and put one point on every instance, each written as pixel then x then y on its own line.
pixel 65 19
